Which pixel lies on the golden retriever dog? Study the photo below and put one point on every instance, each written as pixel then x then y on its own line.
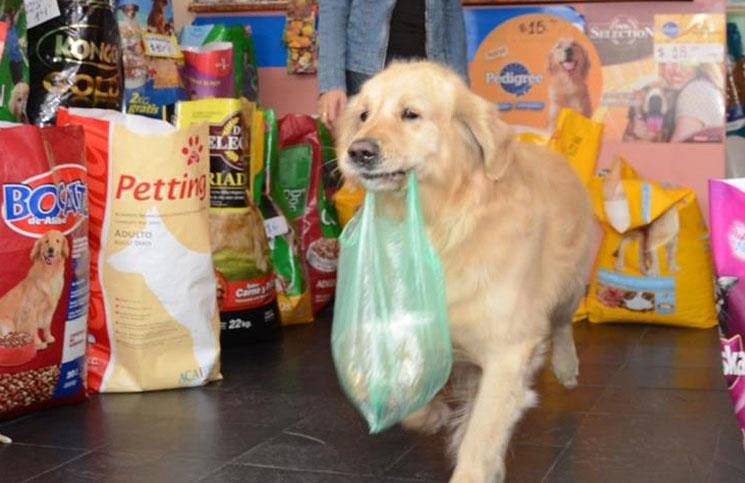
pixel 18 100
pixel 241 232
pixel 651 115
pixel 662 232
pixel 511 222
pixel 29 306
pixel 568 64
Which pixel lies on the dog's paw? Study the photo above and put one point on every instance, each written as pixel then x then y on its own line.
pixel 428 420
pixel 40 345
pixel 566 368
pixel 50 339
pixel 472 476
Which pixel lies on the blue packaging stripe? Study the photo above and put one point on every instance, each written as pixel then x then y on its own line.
pixel 267 36
pixel 70 380
pixel 646 202
pixel 630 282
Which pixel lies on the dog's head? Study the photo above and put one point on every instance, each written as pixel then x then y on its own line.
pixel 51 248
pixel 18 99
pixel 420 117
pixel 569 57
pixel 653 105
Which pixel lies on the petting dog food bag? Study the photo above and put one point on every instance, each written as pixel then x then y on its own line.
pixel 44 280
pixel 75 56
pixel 726 210
pixel 153 320
pixel 390 338
pixel 246 291
pixel 654 264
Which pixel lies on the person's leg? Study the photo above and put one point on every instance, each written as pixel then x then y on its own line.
pixel 354 82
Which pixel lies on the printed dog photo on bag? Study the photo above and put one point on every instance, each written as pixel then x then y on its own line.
pixel 568 66
pixel 651 114
pixel 29 306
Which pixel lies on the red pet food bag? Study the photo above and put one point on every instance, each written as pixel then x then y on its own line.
pixel 44 279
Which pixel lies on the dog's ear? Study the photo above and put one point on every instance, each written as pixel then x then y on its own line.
pixel 585 69
pixel 553 67
pixel 496 141
pixel 65 247
pixel 36 250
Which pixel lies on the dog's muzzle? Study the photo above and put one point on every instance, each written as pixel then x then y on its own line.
pixel 364 153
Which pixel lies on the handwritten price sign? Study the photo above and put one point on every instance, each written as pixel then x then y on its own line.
pixel 161 46
pixel 39 11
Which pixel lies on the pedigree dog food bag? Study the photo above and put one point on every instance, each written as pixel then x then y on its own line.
pixel 44 260
pixel 153 319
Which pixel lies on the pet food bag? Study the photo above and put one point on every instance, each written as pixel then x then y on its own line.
pixel 151 57
pixel 75 60
pixel 208 71
pixel 153 320
pixel 390 338
pixel 245 277
pixel 244 52
pixel 293 291
pixel 299 188
pixel 44 279
pixel 14 82
pixel 654 264
pixel 726 209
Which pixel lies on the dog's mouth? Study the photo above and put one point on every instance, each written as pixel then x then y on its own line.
pixel 655 123
pixel 568 65
pixel 383 176
pixel 49 258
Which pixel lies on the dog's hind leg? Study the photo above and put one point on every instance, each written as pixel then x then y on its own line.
pixel 671 250
pixel 429 419
pixel 564 361
pixel 503 395
pixel 620 253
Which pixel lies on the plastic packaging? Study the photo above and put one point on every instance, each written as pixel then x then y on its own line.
pixel 390 338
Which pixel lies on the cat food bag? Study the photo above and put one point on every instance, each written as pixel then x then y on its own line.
pixel 293 291
pixel 654 264
pixel 153 320
pixel 726 209
pixel 14 83
pixel 246 291
pixel 151 58
pixel 208 71
pixel 244 52
pixel 44 279
pixel 298 187
pixel 75 60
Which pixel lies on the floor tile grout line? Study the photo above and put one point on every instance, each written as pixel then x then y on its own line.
pixel 302 470
pixel 401 457
pixel 61 465
pixel 214 472
pixel 564 450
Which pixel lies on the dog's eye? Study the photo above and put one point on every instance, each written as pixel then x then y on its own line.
pixel 363 116
pixel 409 115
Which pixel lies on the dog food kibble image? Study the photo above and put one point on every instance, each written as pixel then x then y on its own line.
pixel 15 340
pixel 23 389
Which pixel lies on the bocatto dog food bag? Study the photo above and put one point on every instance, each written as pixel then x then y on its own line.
pixel 44 275
pixel 153 319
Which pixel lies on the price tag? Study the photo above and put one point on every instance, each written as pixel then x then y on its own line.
pixel 694 53
pixel 39 11
pixel 275 226
pixel 157 45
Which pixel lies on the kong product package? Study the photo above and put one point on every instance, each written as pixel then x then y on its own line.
pixel 44 255
pixel 75 60
pixel 153 320
pixel 246 291
pixel 208 71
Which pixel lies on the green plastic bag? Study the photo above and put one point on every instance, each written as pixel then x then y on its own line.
pixel 390 338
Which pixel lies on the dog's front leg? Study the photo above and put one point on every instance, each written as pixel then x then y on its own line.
pixel 504 394
pixel 671 249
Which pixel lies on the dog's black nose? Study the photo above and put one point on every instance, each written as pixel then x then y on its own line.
pixel 568 54
pixel 654 104
pixel 364 152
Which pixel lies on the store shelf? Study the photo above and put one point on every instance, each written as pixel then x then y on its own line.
pixel 226 7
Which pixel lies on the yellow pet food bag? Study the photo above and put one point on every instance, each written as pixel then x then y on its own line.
pixel 654 264
pixel 347 200
pixel 577 138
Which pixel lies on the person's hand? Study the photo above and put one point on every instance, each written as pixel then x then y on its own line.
pixel 330 105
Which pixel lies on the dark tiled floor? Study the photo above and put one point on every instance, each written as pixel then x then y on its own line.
pixel 651 406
